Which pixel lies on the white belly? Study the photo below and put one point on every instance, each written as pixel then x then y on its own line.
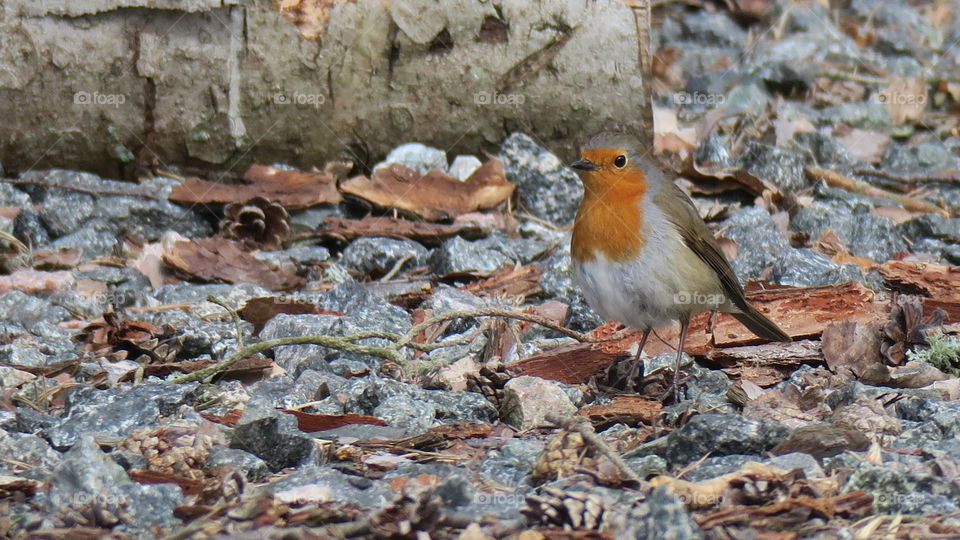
pixel 665 282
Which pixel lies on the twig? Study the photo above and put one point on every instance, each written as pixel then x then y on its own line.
pixel 390 352
pixel 856 186
pixel 396 267
pixel 909 178
pixel 492 312
pixel 342 344
pixel 20 246
pixel 851 77
pixel 582 426
pixel 233 313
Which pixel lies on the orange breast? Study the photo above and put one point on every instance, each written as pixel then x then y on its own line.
pixel 609 221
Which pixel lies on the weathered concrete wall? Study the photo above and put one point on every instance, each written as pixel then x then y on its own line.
pixel 109 85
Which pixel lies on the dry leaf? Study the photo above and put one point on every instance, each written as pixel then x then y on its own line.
pixel 434 195
pixel 291 188
pixel 258 311
pixel 219 259
pixel 311 17
pixel 867 146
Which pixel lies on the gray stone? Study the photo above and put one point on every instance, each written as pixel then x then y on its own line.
pixel 782 168
pixel 864 234
pixel 714 29
pixel 759 242
pixel 302 255
pixel 528 400
pixel 715 466
pixel 294 358
pixel 648 466
pixel 808 268
pixel 661 515
pixel 34 314
pixel 416 156
pixel 115 412
pixel 798 460
pixel 722 434
pixel 826 149
pixel 898 491
pixel 87 476
pixel 463 166
pixel 250 466
pixel 313 483
pixel 546 187
pixel 26 448
pixel 376 256
pixel 412 408
pixel 931 226
pixel 29 228
pixel 871 116
pixel 510 465
pixel 485 256
pixel 273 436
pixel 931 156
pixel 11 196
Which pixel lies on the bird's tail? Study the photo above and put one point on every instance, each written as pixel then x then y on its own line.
pixel 760 325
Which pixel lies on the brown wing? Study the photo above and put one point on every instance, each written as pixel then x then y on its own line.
pixel 681 212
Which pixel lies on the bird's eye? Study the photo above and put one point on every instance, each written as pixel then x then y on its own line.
pixel 620 161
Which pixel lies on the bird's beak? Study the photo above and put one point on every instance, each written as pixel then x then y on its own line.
pixel 584 165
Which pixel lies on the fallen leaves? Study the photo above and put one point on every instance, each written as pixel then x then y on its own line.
pixel 311 422
pixel 219 259
pixel 291 188
pixel 434 195
pixel 258 311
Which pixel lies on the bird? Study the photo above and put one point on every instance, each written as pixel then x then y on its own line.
pixel 641 253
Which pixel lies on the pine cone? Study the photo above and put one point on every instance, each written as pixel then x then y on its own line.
pixel 414 511
pixel 115 339
pixel 179 448
pixel 258 223
pixel 564 453
pixel 490 382
pixel 567 509
pixel 906 327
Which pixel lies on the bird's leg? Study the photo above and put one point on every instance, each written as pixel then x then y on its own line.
pixel 675 388
pixel 636 370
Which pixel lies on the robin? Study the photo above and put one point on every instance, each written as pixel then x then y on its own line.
pixel 641 253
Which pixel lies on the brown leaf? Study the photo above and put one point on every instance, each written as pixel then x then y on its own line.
pixel 230 419
pixel 434 195
pixel 853 349
pixel 219 259
pixel 188 486
pixel 258 311
pixel 310 422
pixel 428 234
pixel 291 188
pixel 905 99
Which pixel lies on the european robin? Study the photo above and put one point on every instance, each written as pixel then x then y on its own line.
pixel 641 253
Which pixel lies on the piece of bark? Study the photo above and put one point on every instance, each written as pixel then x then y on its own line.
pixel 219 259
pixel 799 311
pixel 938 281
pixel 630 409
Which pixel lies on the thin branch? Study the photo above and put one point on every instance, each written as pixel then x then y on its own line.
pixel 909 178
pixel 857 186
pixel 233 313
